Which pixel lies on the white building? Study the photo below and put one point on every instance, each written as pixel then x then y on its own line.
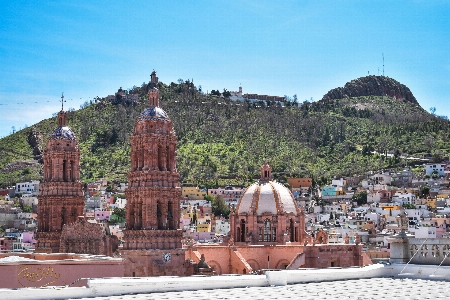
pixel 31 187
pixel 120 203
pixel 382 179
pixel 237 95
pixel 339 182
pixel 404 198
pixel 221 227
pixel 439 168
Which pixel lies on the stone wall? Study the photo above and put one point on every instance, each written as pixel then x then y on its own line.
pixel 228 260
pixel 140 263
pixel 429 252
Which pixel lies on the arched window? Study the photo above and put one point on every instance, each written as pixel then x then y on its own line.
pixel 242 238
pixel 267 231
pixel 292 231
pixel 238 235
pixel 170 216
pixel 159 215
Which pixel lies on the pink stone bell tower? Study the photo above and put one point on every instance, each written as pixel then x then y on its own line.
pixel 61 198
pixel 152 236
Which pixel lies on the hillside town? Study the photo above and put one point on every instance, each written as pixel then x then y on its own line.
pixel 366 206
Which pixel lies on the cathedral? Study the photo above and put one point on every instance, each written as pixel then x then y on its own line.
pixel 267 229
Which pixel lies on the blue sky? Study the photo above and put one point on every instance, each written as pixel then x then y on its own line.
pixel 87 49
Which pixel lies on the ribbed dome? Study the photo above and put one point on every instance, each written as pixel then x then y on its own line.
pixel 62 133
pixel 267 196
pixel 154 113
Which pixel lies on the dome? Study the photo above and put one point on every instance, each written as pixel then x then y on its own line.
pixel 154 113
pixel 62 133
pixel 267 197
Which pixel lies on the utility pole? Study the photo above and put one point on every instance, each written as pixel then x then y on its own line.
pixel 383 63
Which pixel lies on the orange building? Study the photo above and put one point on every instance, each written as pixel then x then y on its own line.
pixel 297 183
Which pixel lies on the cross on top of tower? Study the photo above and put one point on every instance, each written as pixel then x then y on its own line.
pixel 62 101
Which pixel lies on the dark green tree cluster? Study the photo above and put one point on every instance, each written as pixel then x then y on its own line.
pixel 360 197
pixel 219 207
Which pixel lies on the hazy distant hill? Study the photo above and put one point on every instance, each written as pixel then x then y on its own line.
pixel 222 141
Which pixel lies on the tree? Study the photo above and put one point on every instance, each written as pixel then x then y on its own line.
pixel 109 188
pixel 360 198
pixel 432 110
pixel 216 93
pixel 425 190
pixel 27 209
pixel 194 217
pixel 226 93
pixel 120 213
pixel 409 206
pixel 209 198
pixel 219 207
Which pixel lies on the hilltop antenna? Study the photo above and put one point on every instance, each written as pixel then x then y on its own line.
pixel 383 63
pixel 62 101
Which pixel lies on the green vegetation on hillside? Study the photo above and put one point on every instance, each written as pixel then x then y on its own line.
pixel 225 142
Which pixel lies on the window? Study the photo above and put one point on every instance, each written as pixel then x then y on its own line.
pixel 267 230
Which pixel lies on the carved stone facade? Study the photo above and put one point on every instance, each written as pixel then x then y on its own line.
pixel 61 198
pixel 82 237
pixel 152 234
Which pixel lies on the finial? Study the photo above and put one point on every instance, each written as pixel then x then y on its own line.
pixel 62 101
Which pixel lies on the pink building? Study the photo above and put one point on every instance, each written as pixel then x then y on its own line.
pixel 28 240
pixel 229 193
pixel 102 215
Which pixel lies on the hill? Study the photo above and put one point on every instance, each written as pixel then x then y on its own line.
pixel 373 86
pixel 225 142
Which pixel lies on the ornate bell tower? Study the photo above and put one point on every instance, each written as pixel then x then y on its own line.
pixel 61 198
pixel 152 236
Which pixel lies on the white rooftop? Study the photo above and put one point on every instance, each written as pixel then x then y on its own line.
pixel 374 288
pixel 397 281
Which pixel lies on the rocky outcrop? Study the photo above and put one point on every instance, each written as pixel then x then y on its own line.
pixel 372 86
pixel 35 140
pixel 19 165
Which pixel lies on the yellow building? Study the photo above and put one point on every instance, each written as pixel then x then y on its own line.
pixel 204 227
pixel 193 193
pixel 431 202
pixel 297 183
